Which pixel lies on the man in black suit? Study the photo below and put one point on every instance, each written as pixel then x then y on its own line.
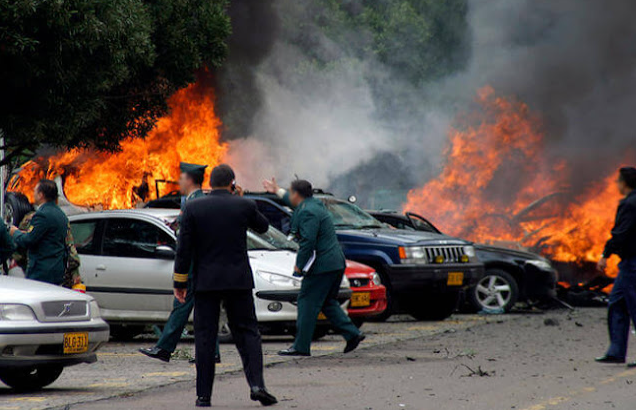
pixel 213 239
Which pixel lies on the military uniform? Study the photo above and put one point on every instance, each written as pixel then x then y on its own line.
pixel 323 264
pixel 45 242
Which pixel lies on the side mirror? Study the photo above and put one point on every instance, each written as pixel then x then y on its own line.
pixel 165 252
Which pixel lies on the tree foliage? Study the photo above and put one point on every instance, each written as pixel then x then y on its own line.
pixel 77 73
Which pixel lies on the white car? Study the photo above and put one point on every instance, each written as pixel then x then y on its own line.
pixel 44 328
pixel 127 259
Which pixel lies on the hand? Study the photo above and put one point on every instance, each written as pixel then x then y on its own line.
pixel 77 280
pixel 13 229
pixel 271 186
pixel 180 294
pixel 238 190
pixel 297 269
pixel 602 265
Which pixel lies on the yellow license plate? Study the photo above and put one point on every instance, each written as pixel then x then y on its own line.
pixel 360 299
pixel 321 316
pixel 75 343
pixel 455 279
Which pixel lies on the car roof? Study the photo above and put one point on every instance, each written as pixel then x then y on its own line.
pixel 165 215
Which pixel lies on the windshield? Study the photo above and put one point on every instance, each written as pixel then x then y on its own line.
pixel 271 240
pixel 349 216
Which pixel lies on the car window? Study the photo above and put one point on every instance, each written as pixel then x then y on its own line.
pixel 397 223
pixel 421 224
pixel 132 238
pixel 84 236
pixel 277 218
pixel 349 216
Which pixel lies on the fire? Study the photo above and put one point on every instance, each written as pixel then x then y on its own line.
pixel 498 185
pixel 190 133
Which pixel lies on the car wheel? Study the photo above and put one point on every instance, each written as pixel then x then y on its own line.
pixel 497 290
pixel 16 206
pixel 31 378
pixel 225 334
pixel 125 333
pixel 432 307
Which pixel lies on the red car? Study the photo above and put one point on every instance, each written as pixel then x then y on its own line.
pixel 369 294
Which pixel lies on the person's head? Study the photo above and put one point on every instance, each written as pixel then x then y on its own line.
pixel 222 177
pixel 626 180
pixel 45 191
pixel 299 191
pixel 191 177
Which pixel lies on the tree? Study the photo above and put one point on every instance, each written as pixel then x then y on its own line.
pixel 78 73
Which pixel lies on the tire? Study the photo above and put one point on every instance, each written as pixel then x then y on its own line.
pixel 31 378
pixel 497 290
pixel 125 333
pixel 432 307
pixel 16 206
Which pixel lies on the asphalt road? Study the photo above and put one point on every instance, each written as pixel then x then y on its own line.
pixel 522 362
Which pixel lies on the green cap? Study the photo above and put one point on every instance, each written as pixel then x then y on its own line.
pixel 192 169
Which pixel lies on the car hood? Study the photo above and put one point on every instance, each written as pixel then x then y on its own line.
pixel 281 262
pixel 507 251
pixel 26 291
pixel 401 236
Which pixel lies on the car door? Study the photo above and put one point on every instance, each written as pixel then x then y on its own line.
pixel 87 237
pixel 131 276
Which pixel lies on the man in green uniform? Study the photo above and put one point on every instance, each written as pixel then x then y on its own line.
pixel 45 239
pixel 321 263
pixel 190 182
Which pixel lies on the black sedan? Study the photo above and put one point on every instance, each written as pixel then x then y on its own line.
pixel 511 275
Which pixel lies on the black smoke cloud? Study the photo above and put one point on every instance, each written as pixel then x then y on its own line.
pixel 573 62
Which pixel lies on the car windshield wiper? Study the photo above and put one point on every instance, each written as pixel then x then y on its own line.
pixel 369 226
pixel 345 226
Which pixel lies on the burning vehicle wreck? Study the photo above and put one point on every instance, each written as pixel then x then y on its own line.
pixel 511 275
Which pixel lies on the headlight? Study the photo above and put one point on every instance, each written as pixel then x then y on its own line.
pixel 16 312
pixel 279 280
pixel 345 282
pixel 540 264
pixel 413 254
pixel 377 281
pixel 95 314
pixel 469 251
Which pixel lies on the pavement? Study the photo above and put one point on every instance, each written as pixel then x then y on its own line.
pixel 520 362
pixel 123 372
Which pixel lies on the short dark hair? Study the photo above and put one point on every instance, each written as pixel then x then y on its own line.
pixel 302 188
pixel 196 177
pixel 628 176
pixel 221 176
pixel 48 188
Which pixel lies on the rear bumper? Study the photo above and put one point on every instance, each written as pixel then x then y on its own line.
pixel 26 345
pixel 432 278
pixel 377 306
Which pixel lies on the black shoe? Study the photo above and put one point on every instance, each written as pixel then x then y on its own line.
pixel 217 359
pixel 192 361
pixel 631 364
pixel 203 402
pixel 353 343
pixel 609 359
pixel 292 352
pixel 157 353
pixel 261 394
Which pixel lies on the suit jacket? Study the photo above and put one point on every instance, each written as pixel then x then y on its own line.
pixel 313 227
pixel 623 241
pixel 213 237
pixel 45 243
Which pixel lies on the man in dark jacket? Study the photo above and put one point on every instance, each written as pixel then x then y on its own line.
pixel 622 300
pixel 45 240
pixel 321 263
pixel 213 240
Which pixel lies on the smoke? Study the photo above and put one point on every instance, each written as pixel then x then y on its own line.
pixel 357 123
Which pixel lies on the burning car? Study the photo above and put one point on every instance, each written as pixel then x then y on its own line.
pixel 127 264
pixel 511 275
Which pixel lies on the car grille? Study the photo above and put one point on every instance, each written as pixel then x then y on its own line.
pixel 68 309
pixel 451 254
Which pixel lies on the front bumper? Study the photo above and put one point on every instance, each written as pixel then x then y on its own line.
pixel 33 343
pixel 378 302
pixel 432 277
pixel 539 283
pixel 292 295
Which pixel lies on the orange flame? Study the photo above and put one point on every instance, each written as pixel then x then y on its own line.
pixel 499 186
pixel 190 133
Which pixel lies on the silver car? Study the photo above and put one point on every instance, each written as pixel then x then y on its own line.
pixel 44 328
